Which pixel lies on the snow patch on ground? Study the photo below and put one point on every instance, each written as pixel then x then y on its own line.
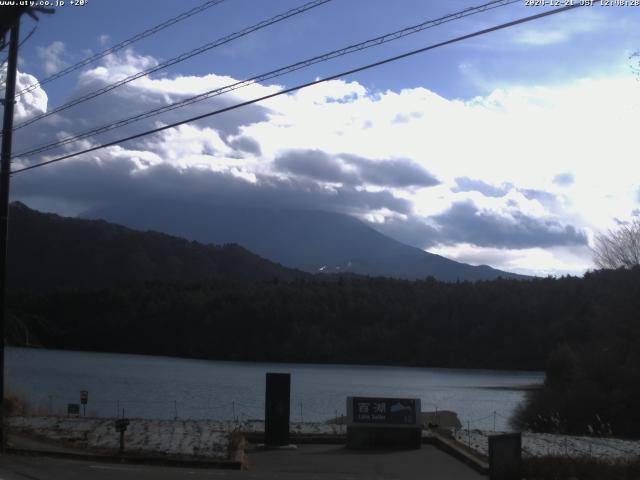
pixel 210 438
pixel 194 438
pixel 306 428
pixel 546 444
pixel 199 438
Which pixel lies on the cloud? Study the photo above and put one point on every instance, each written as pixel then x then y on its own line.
pixel 535 261
pixel 245 144
pixel 393 172
pixel 406 118
pixel 116 178
pixel 463 222
pixel 466 184
pixel 564 179
pixel 540 195
pixel 29 104
pixel 463 174
pixel 354 170
pixel 412 230
pixel 316 165
pixel 541 37
pixel 560 30
pixel 52 57
pixel 138 97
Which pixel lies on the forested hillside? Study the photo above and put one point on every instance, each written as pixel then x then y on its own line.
pixel 48 252
pixel 499 324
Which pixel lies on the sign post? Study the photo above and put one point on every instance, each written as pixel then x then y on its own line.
pixel 121 426
pixel 383 422
pixel 84 398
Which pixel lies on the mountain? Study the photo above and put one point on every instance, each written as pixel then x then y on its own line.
pixel 49 251
pixel 313 241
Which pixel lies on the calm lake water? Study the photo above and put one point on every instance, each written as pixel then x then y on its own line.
pixel 165 387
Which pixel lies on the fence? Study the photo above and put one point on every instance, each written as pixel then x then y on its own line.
pixel 474 435
pixel 236 411
pixel 302 410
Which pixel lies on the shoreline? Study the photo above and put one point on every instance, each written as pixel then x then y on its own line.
pixel 292 363
pixel 515 388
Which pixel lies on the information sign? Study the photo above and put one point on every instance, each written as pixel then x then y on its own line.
pixel 385 411
pixel 122 424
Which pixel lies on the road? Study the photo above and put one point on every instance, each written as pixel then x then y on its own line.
pixel 308 462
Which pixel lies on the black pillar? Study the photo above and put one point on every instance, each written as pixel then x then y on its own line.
pixel 276 409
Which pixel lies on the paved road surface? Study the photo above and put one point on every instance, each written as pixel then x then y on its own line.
pixel 309 462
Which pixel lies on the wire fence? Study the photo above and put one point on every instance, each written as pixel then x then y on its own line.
pixel 236 411
pixel 303 409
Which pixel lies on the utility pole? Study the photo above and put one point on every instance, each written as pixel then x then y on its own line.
pixel 5 170
pixel 10 22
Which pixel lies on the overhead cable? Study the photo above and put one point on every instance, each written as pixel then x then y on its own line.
pixel 305 85
pixel 121 45
pixel 270 75
pixel 175 60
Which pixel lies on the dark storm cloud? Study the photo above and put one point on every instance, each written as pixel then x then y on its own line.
pixel 466 184
pixel 246 144
pixel 90 184
pixel 316 165
pixel 464 222
pixel 395 172
pixel 564 179
pixel 354 170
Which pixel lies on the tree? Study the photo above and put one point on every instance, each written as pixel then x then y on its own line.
pixel 618 248
pixel 634 60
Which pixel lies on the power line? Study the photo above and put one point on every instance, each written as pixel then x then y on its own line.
pixel 305 85
pixel 33 30
pixel 121 45
pixel 178 59
pixel 272 74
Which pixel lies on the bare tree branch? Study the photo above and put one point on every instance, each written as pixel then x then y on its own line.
pixel 618 248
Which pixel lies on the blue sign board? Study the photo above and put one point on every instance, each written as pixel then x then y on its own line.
pixel 384 411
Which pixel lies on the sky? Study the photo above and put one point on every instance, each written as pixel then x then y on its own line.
pixel 512 149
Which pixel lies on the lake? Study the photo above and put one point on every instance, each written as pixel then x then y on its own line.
pixel 166 387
